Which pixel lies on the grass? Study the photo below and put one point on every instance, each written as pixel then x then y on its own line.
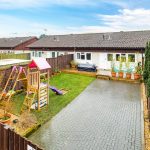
pixel 73 82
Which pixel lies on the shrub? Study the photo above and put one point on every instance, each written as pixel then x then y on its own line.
pixel 73 63
pixel 147 63
pixel 148 87
pixel 138 69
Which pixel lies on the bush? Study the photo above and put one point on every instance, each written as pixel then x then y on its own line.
pixel 148 87
pixel 147 63
pixel 138 69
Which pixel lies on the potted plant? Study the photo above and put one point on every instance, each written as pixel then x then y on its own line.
pixel 113 73
pixel 5 117
pixel 138 71
pixel 129 70
pixel 128 73
pixel 120 73
pixel 73 64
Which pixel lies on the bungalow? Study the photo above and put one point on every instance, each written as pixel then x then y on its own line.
pixel 97 48
pixel 16 44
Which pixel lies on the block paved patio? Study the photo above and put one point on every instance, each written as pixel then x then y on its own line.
pixel 105 116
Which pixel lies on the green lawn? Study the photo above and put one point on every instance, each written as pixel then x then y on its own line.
pixel 72 82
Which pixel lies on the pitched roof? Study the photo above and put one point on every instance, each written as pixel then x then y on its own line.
pixel 134 39
pixel 40 63
pixel 13 42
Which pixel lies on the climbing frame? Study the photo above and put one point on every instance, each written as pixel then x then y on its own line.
pixel 14 77
pixel 37 68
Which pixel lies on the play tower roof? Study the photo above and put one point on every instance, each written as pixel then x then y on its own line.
pixel 40 63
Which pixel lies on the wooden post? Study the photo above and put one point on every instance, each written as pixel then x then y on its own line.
pixel 48 86
pixel 38 90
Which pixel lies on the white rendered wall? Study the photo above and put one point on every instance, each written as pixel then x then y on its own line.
pixel 100 60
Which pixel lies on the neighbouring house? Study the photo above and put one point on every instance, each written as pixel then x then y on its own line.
pixel 97 48
pixel 16 44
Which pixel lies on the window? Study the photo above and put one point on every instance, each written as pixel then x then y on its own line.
pixel 78 55
pixel 131 57
pixel 88 56
pixel 123 57
pixel 109 57
pixel 36 54
pixel 53 54
pixel 82 56
pixel 33 54
pixel 117 57
pixel 40 54
pixel 57 54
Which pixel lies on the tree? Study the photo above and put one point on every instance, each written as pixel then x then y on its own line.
pixel 42 36
pixel 148 87
pixel 146 72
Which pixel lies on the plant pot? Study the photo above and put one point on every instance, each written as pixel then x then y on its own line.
pixel 120 74
pixel 6 121
pixel 113 74
pixel 137 76
pixel 128 75
pixel 73 66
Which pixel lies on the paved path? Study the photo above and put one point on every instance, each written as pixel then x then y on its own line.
pixel 106 116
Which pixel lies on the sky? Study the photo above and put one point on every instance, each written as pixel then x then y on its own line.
pixel 36 17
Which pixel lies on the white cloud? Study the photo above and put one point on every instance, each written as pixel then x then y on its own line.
pixel 126 19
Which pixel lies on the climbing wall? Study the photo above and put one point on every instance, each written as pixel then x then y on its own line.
pixel 43 95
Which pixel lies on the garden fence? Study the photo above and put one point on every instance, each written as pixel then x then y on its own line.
pixel 9 140
pixel 15 56
pixel 60 62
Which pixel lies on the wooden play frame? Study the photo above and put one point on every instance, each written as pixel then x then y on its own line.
pixel 36 89
pixel 14 78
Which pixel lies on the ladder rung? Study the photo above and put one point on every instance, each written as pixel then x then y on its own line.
pixel 29 98
pixel 43 74
pixel 22 79
pixel 43 97
pixel 43 94
pixel 44 87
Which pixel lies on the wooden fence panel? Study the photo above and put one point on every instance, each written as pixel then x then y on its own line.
pixel 6 137
pixel 1 137
pixel 60 62
pixel 15 56
pixel 22 145
pixel 9 140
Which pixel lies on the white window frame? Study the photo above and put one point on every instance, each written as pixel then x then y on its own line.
pixel 116 56
pixel 40 54
pixel 54 54
pixel 134 57
pixel 90 57
pixel 33 53
pixel 121 56
pixel 83 54
pixel 112 57
pixel 78 54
